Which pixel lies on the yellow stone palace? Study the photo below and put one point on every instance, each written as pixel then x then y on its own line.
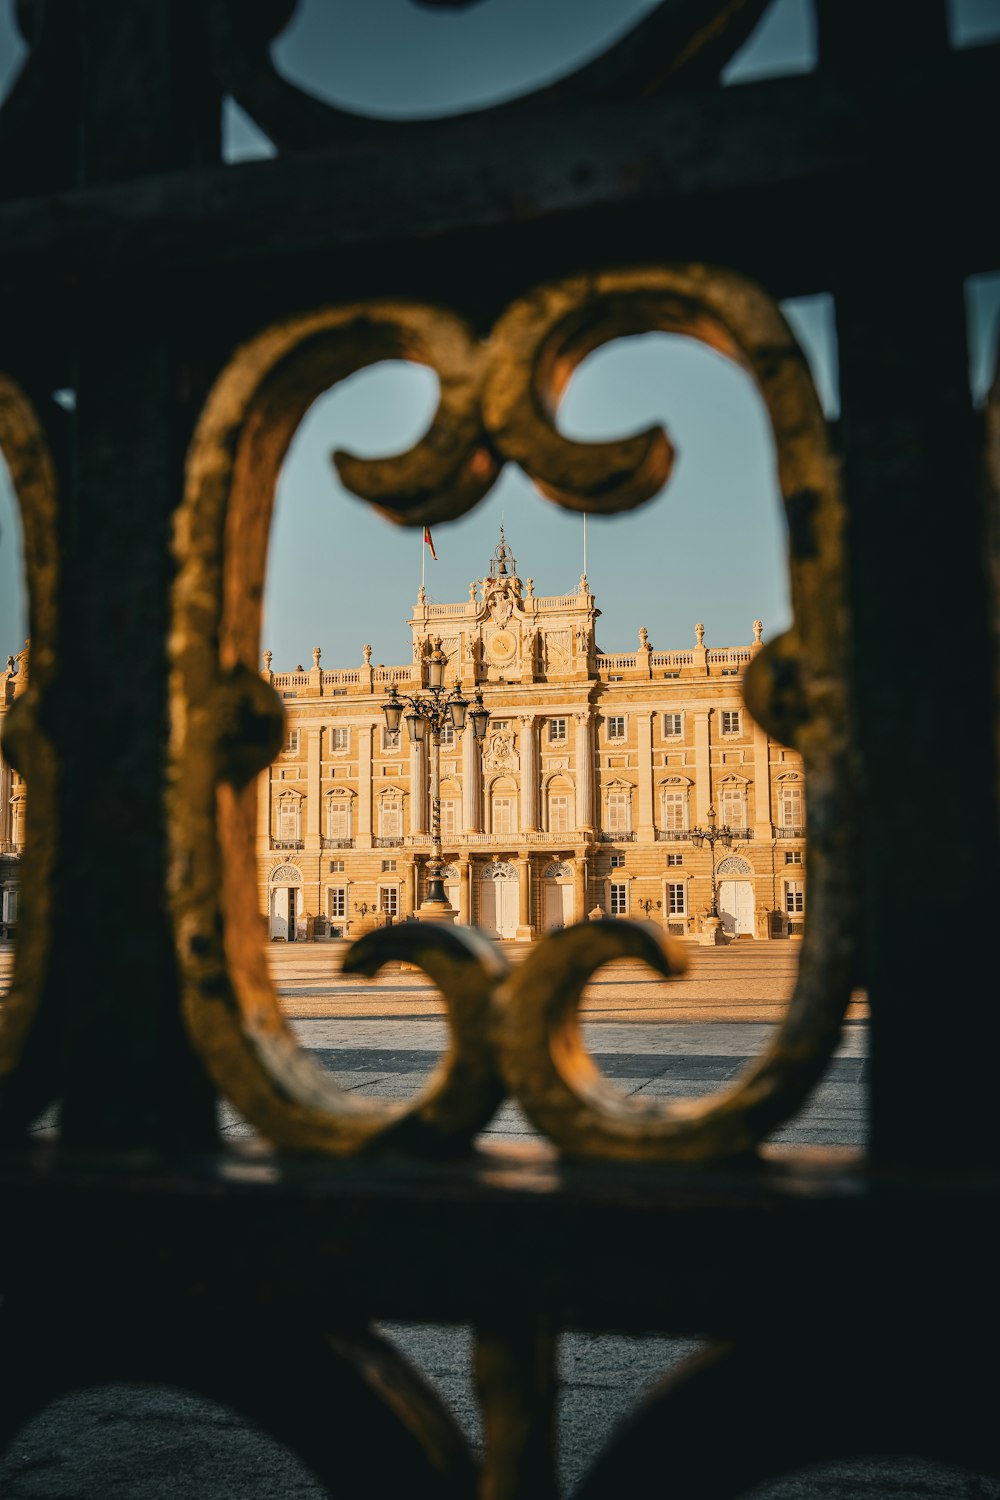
pixel 594 773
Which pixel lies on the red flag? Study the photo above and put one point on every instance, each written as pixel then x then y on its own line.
pixel 427 539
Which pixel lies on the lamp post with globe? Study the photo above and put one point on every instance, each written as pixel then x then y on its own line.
pixel 427 714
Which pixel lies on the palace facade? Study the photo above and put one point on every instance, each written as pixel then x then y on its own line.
pixel 584 797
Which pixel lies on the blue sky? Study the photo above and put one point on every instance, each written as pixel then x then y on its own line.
pixel 710 547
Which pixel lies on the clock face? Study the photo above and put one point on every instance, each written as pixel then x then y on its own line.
pixel 503 645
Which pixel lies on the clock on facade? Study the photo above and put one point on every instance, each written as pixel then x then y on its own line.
pixel 502 646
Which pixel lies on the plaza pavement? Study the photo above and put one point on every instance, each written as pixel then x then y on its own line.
pixel 658 1038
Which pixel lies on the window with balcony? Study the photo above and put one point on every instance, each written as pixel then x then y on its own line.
pixel 618 812
pixel 791 805
pixel 674 811
pixel 338 818
pixel 733 807
pixel 560 812
pixel 391 820
pixel 504 818
pixel 289 825
pixel 451 821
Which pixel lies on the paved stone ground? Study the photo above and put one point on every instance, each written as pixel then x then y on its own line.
pixel 677 1039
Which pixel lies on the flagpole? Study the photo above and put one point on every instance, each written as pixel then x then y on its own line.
pixel 423 560
pixel 585 544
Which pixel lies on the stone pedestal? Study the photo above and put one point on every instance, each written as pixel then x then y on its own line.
pixel 711 932
pixel 435 911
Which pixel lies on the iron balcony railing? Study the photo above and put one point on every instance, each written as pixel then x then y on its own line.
pixel 329 843
pixel 288 843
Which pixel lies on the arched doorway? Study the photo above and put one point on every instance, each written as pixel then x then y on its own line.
pixel 286 904
pixel 498 900
pixel 736 906
pixel 557 895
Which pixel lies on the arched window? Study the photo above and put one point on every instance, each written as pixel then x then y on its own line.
pixel 561 805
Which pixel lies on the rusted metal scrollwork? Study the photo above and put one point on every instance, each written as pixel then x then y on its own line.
pixel 498 400
pixel 28 1051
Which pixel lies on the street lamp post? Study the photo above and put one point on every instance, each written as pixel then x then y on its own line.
pixel 711 835
pixel 427 714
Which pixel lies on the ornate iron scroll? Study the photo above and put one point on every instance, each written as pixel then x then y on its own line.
pixel 497 402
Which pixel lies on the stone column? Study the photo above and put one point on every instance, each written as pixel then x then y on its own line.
pixel 584 772
pixel 524 931
pixel 472 782
pixel 580 908
pixel 702 765
pixel 418 788
pixel 363 837
pixel 530 821
pixel 464 892
pixel 763 811
pixel 313 785
pixel 265 812
pixel 646 830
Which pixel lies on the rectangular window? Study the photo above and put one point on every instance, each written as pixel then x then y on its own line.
pixel 792 807
pixel 499 723
pixel 291 745
pixel 795 896
pixel 288 821
pixel 672 726
pixel 392 820
pixel 504 817
pixel 447 736
pixel 619 899
pixel 557 731
pixel 618 812
pixel 674 811
pixel 675 859
pixel 675 897
pixel 616 727
pixel 730 721
pixel 338 819
pixel 793 856
pixel 388 901
pixel 336 903
pixel 388 865
pixel 617 861
pixel 391 739
pixel 733 808
pixel 340 738
pixel 560 813
pixel 336 866
pixel 450 821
